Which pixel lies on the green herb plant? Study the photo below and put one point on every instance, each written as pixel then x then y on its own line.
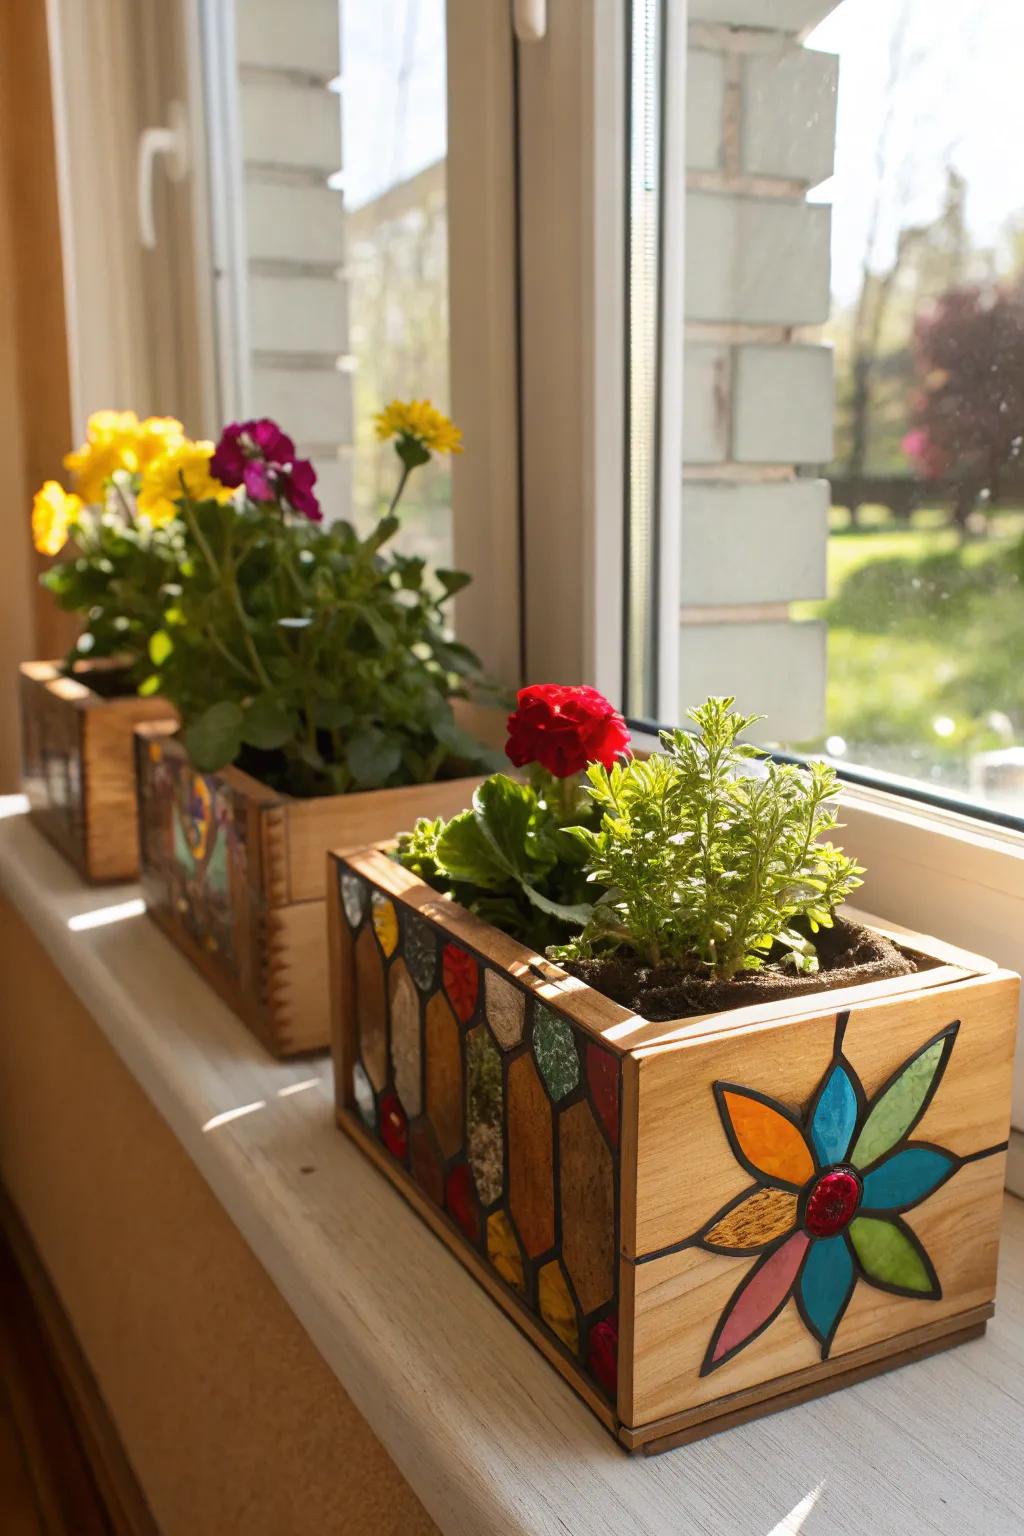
pixel 708 852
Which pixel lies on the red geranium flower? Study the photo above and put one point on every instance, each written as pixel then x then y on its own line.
pixel 564 729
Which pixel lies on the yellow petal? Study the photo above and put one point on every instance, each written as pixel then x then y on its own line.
pixel 556 1306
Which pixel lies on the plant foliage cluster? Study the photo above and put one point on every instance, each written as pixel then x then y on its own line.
pixel 309 654
pixel 116 581
pixel 703 859
pixel 312 646
pixel 704 853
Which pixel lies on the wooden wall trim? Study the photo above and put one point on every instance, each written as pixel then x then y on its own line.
pixel 35 410
pixel 124 1503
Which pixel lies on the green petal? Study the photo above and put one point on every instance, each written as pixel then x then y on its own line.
pixel 899 1106
pixel 892 1258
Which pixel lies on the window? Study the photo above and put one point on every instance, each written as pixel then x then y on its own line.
pixel 851 526
pixel 394 137
pixel 339 270
pixel 924 610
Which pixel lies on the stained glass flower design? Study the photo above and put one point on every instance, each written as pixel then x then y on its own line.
pixel 829 1194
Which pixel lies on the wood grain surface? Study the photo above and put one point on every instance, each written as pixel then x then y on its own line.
pixel 100 831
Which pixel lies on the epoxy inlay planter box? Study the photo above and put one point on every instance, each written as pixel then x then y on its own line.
pixel 78 767
pixel 233 872
pixel 700 1221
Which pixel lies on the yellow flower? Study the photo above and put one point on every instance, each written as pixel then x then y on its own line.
pixel 162 480
pixel 119 440
pixel 155 436
pixel 53 511
pixel 419 420
pixel 109 445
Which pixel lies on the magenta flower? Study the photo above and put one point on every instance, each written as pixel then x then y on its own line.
pixel 258 455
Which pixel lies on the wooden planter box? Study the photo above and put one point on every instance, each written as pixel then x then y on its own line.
pixel 77 764
pixel 665 1209
pixel 234 874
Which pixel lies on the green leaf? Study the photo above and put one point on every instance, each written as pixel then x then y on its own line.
pixel 267 723
pixel 456 658
pixel 383 631
pixel 214 738
pixel 372 757
pixel 332 714
pixel 385 529
pixel 504 810
pixel 410 572
pixel 468 857
pixel 462 745
pixel 579 914
pixel 160 647
pixel 453 581
pixel 149 686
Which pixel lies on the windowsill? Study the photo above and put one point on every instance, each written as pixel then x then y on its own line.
pixel 485 1432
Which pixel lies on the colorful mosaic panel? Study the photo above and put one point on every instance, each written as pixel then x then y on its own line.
pixel 52 766
pixel 830 1187
pixel 502 1111
pixel 193 844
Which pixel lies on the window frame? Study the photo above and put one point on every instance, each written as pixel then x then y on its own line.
pixel 932 864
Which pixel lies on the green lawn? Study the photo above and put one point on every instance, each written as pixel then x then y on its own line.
pixel 926 640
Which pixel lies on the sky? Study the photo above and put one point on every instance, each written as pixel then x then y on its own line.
pixel 958 100
pixel 394 120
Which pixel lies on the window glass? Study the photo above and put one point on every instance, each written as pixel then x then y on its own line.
pixel 925 609
pixel 852 513
pixel 394 147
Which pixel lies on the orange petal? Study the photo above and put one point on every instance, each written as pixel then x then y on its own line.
pixel 755 1221
pixel 770 1144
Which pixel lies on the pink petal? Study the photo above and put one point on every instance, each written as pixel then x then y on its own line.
pixel 762 1296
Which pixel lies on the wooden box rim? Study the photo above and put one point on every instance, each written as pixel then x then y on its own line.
pixel 629 1034
pixel 74 689
pixel 255 789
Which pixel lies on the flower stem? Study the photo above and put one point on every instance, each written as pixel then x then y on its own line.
pixel 568 799
pixel 243 619
pixel 401 487
pixel 218 645
pixel 193 523
pixel 226 578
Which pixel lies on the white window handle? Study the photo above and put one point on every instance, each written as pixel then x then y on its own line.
pixel 530 19
pixel 171 141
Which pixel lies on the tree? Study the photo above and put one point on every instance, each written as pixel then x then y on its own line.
pixel 968 407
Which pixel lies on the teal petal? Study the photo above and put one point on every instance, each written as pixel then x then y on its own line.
pixel 835 1116
pixel 906 1178
pixel 892 1258
pixel 898 1107
pixel 826 1284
